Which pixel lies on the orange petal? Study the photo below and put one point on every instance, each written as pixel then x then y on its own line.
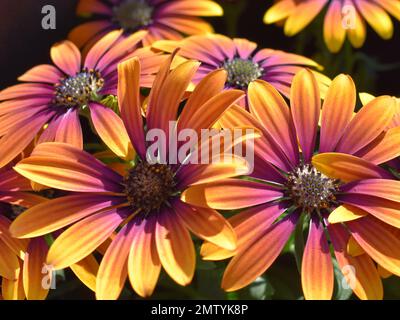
pixel 334 32
pixel 111 130
pixel 9 265
pixel 378 242
pixel 175 248
pixel 69 129
pixel 58 213
pixel 359 272
pixel 129 103
pixel 144 265
pixel 302 16
pixel 86 270
pixel 113 268
pixel 67 57
pixel 258 255
pixel 230 194
pixel 384 148
pixel 78 241
pixel 367 124
pixel 268 106
pixel 337 111
pixel 33 275
pixel 317 268
pixel 305 104
pixel 13 289
pixel 346 213
pixel 347 168
pixel 207 224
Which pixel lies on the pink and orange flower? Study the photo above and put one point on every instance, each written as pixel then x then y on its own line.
pixel 56 95
pixel 243 61
pixel 163 19
pixel 351 203
pixel 343 18
pixel 139 207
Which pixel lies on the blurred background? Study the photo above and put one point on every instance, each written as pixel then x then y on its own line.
pixel 374 67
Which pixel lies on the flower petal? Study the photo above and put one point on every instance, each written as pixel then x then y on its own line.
pixel 144 265
pixel 367 124
pixel 334 33
pixel 317 268
pixel 43 73
pixel 175 248
pixel 258 255
pixel 248 225
pixel 111 130
pixel 230 194
pixel 129 103
pixel 347 168
pixel 268 106
pixel 305 106
pixel 86 271
pixel 376 17
pixel 384 148
pixel 81 239
pixel 33 275
pixel 383 209
pixel 207 224
pixel 378 242
pixel 359 272
pixel 113 268
pixel 337 111
pixel 58 213
pixel 69 129
pixel 346 213
pixel 67 57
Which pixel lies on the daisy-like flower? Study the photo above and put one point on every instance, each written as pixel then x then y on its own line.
pixel 341 190
pixel 56 95
pixel 21 260
pixel 343 18
pixel 164 19
pixel 243 62
pixel 141 207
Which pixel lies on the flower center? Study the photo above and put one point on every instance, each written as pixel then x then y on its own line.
pixel 78 90
pixel 149 186
pixel 241 72
pixel 310 189
pixel 133 14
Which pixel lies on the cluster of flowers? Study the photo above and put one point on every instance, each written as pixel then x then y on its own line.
pixel 321 167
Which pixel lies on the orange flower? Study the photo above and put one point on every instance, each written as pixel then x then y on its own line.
pixel 163 19
pixel 343 18
pixel 339 190
pixel 140 207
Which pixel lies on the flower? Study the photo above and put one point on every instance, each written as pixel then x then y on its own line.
pixel 56 95
pixel 21 260
pixel 243 62
pixel 340 190
pixel 164 19
pixel 343 18
pixel 140 208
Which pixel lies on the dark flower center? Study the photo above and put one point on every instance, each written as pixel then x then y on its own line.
pixel 133 14
pixel 78 90
pixel 310 189
pixel 241 72
pixel 149 186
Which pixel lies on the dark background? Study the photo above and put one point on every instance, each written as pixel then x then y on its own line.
pixel 25 44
